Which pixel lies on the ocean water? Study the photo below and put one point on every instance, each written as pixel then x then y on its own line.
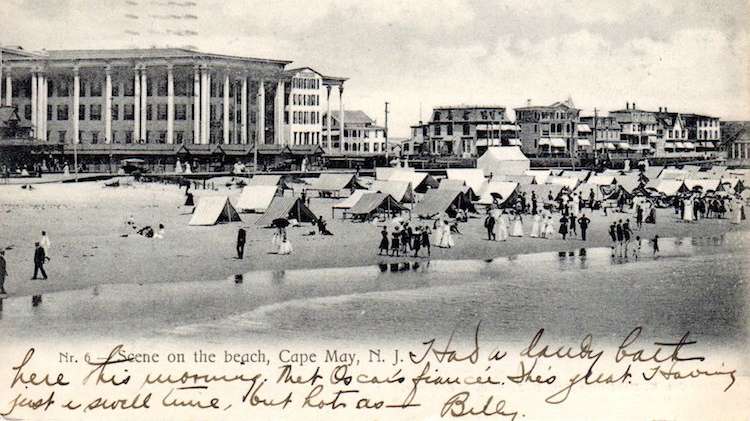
pixel 696 285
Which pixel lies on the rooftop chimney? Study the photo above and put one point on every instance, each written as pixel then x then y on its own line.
pixel 528 102
pixel 665 110
pixel 634 105
pixel 659 109
pixel 627 105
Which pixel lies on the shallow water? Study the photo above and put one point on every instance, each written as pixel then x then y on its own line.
pixel 697 285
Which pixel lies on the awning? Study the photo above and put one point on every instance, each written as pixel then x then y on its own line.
pixel 488 142
pixel 544 142
pixel 607 146
pixel 512 127
pixel 514 142
pixel 583 128
pixel 623 146
pixel 557 142
pixel 583 142
pixel 689 145
pixel 679 145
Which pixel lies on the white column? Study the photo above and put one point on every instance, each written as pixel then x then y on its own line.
pixel 278 114
pixel 261 137
pixel 137 105
pixel 76 103
pixel 243 117
pixel 170 104
pixel 1 82
pixel 35 104
pixel 225 113
pixel 8 89
pixel 196 105
pixel 341 117
pixel 328 118
pixel 206 104
pixel 107 105
pixel 144 101
pixel 43 108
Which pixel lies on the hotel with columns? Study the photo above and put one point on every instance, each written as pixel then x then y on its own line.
pixel 162 104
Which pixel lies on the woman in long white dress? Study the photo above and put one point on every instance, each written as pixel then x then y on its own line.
pixel 446 239
pixel 535 227
pixel 688 213
pixel 286 246
pixel 502 227
pixel 549 228
pixel 736 215
pixel 495 213
pixel 276 240
pixel 517 226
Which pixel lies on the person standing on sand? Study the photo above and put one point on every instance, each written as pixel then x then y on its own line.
pixel 655 244
pixel 45 243
pixel 3 272
pixel 563 226
pixel 241 237
pixel 395 247
pixel 426 239
pixel 383 247
pixel 533 203
pixel 39 260
pixel 489 225
pixel 626 232
pixel 613 236
pixel 572 224
pixel 638 216
pixel 620 235
pixel 584 222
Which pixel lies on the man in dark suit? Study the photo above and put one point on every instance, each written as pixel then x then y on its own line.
pixel 40 257
pixel 584 221
pixel 3 272
pixel 489 224
pixel 241 235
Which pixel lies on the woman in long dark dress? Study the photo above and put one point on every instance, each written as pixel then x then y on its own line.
pixel 563 226
pixel 383 242
pixel 395 243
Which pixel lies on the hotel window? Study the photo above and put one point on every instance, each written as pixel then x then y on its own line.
pixel 179 137
pixel 114 136
pixel 128 88
pixel 467 130
pixel 449 129
pixel 180 112
pixel 115 89
pixel 49 114
pixel 129 133
pixel 61 136
pixel 212 112
pixel 484 115
pixel 94 137
pixel 181 88
pixel 96 112
pixel 161 111
pixel 162 137
pixel 96 88
pixel 128 111
pixel 62 111
pixel 115 112
pixel 63 88
pixel 437 130
pixel 253 117
pixel 149 108
pixel 27 112
pixel 437 116
pixel 50 89
pixel 81 112
pixel 162 88
pixel 83 90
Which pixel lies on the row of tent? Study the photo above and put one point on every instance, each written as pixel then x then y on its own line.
pixel 212 210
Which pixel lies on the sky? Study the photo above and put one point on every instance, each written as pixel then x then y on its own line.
pixel 687 55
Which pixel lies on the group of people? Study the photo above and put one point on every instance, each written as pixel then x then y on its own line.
pixel 404 239
pixel 693 207
pixel 145 231
pixel 502 224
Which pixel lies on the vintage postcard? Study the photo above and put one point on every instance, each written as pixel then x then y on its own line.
pixel 374 210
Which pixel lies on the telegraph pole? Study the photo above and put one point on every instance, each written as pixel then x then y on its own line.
pixel 386 134
pixel 596 122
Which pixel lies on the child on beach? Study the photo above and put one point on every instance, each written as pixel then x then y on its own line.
pixel 637 247
pixel 655 244
pixel 383 248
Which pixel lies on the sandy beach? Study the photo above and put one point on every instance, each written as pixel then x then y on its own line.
pixel 86 221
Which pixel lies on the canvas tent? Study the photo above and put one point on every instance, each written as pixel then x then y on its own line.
pixel 372 203
pixel 540 176
pixel 506 190
pixel 667 187
pixel 287 208
pixel 601 180
pixel 503 160
pixel 673 174
pixel 256 198
pixel 212 210
pixel 420 181
pixel 629 182
pixel 704 185
pixel 473 177
pixel 581 175
pixel 541 191
pixel 335 185
pixel 520 179
pixel 347 203
pixel 384 173
pixel 459 185
pixel 437 202
pixel 400 190
pixel 268 180
pixel 569 182
pixel 584 190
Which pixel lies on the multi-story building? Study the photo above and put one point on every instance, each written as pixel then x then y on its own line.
pixel 161 103
pixel 604 133
pixel 362 135
pixel 671 135
pixel 463 130
pixel 638 133
pixel 550 130
pixel 704 132
pixel 736 141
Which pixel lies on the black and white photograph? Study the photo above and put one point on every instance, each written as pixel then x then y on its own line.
pixel 374 210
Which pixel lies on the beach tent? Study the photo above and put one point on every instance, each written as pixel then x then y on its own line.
pixel 581 175
pixel 629 182
pixel 212 210
pixel 520 179
pixel 335 185
pixel 731 184
pixel 541 191
pixel 584 190
pixel 506 190
pixel 653 172
pixel 287 208
pixel 459 185
pixel 347 203
pixel 420 181
pixel 601 180
pixel 503 160
pixel 613 191
pixel 540 176
pixel 569 182
pixel 473 177
pixel 400 190
pixel 437 202
pixel 256 198
pixel 668 187
pixel 384 173
pixel 268 180
pixel 673 174
pixel 371 203
pixel 704 185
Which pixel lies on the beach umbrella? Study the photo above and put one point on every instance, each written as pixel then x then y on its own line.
pixel 280 223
